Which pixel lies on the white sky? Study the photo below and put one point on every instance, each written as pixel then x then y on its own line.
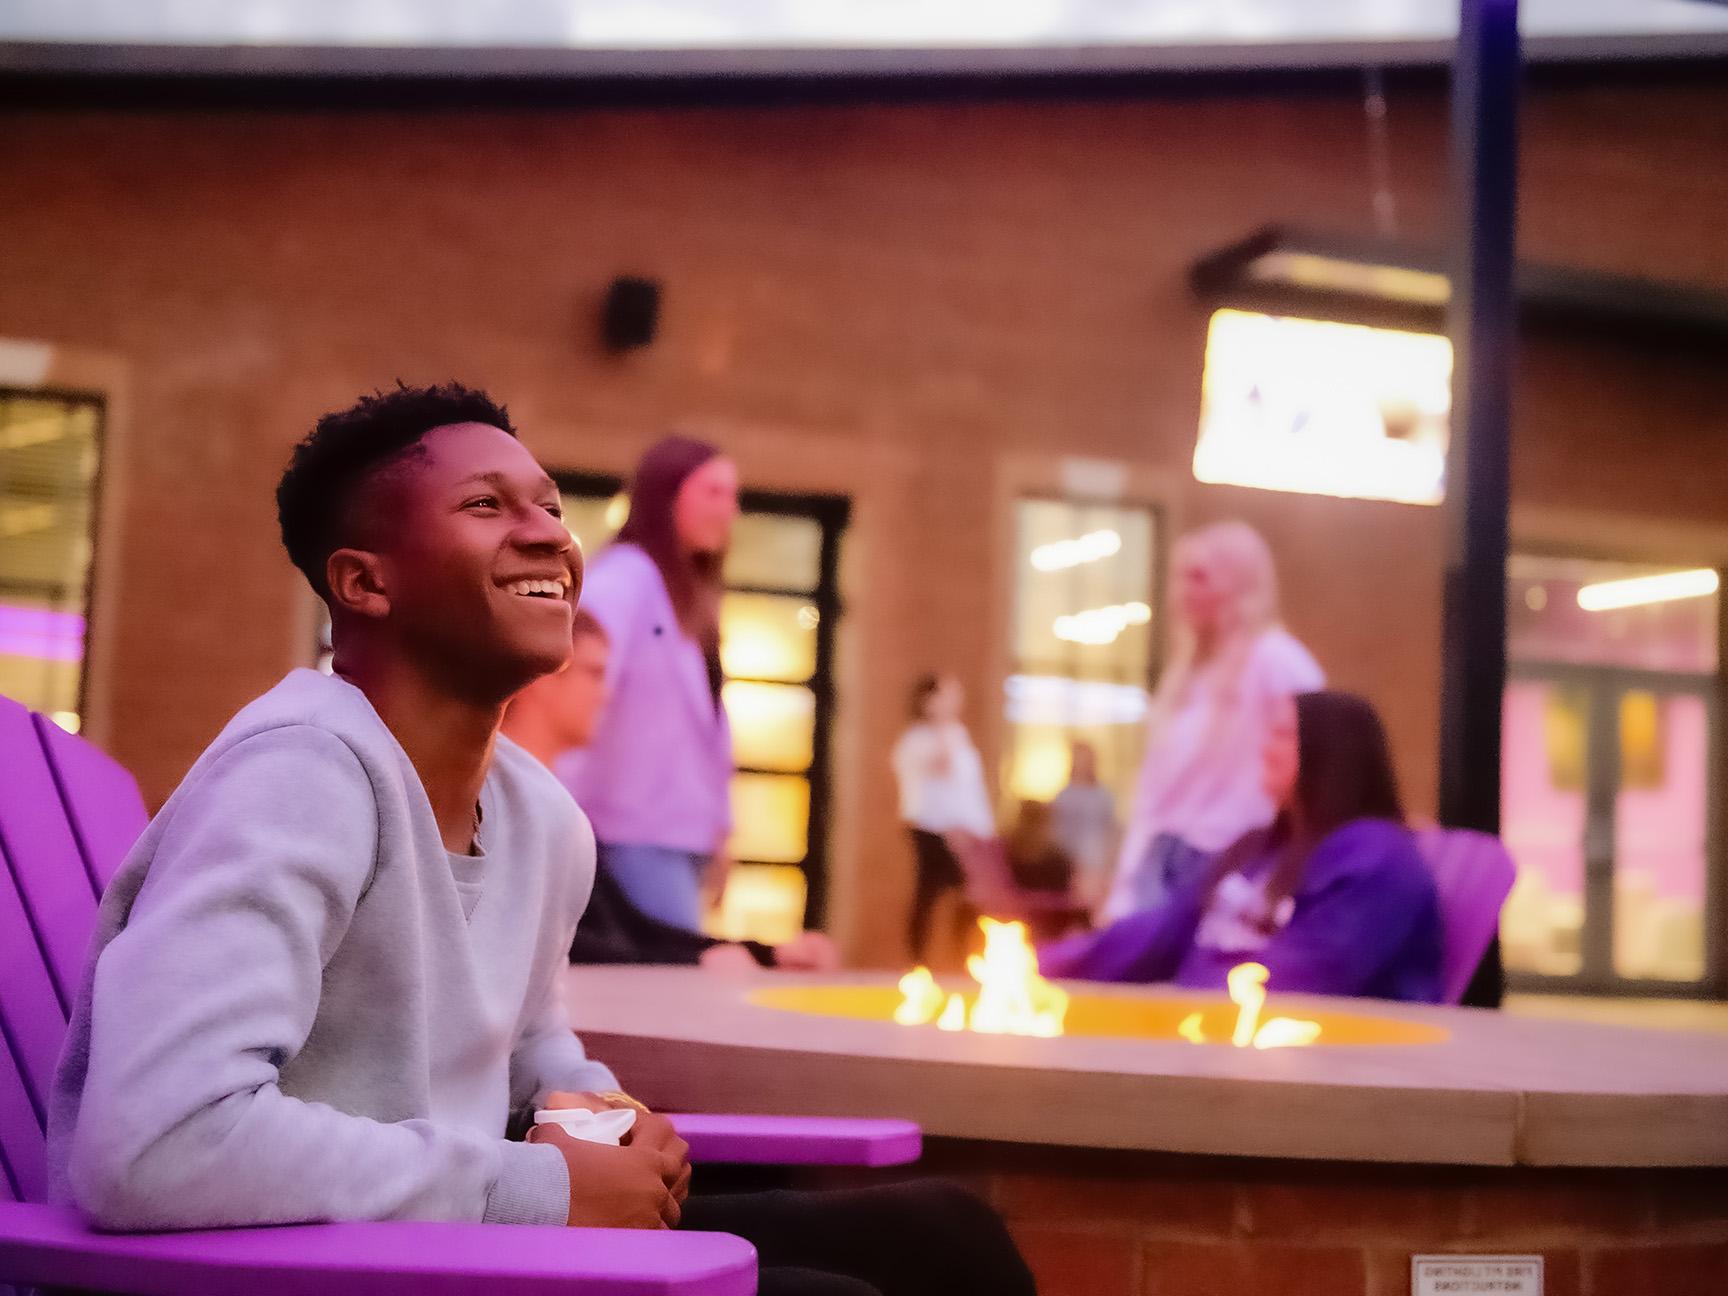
pixel 1071 33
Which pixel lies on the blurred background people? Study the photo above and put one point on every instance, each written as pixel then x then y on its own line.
pixel 1232 666
pixel 557 713
pixel 942 792
pixel 1333 897
pixel 1083 825
pixel 656 778
pixel 1035 858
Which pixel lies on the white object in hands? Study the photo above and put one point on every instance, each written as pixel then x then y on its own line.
pixel 608 1127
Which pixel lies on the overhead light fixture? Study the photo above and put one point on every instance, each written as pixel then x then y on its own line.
pixel 1285 271
pixel 1332 273
pixel 1099 626
pixel 1636 591
pixel 1059 555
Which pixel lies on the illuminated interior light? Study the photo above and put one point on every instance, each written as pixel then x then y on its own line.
pixel 1362 279
pixel 1059 555
pixel 1058 700
pixel 1637 591
pixel 1099 626
pixel 1324 408
pixel 617 511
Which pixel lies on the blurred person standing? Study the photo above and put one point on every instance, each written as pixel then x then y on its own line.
pixel 1083 824
pixel 557 713
pixel 656 778
pixel 1233 666
pixel 941 792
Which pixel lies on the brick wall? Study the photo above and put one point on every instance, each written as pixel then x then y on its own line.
pixel 888 301
pixel 1095 1223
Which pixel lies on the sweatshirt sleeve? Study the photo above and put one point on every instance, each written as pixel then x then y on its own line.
pixel 550 1056
pixel 1142 948
pixel 1365 901
pixel 212 986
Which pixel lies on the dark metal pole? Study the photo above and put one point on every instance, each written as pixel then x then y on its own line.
pixel 1483 323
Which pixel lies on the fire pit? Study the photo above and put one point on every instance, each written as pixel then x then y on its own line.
pixel 1013 999
pixel 1129 1160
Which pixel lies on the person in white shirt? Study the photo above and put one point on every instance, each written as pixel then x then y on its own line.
pixel 1232 667
pixel 941 793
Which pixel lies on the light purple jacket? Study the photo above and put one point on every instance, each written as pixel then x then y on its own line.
pixel 659 770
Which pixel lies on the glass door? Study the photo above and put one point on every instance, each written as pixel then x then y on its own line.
pixel 1610 780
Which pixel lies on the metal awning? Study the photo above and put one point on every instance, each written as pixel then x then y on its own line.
pixel 1289 271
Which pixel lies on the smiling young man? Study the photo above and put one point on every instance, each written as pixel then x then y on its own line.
pixel 325 983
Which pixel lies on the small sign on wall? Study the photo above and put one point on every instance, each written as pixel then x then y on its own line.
pixel 1475 1275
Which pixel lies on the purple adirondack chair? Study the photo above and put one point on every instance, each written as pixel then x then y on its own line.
pixel 1473 874
pixel 68 814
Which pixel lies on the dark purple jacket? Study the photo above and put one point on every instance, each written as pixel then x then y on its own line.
pixel 1366 923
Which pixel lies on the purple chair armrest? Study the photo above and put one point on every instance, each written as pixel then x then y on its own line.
pixel 799 1140
pixel 52 1246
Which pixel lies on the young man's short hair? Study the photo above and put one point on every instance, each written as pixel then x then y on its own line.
pixel 347 447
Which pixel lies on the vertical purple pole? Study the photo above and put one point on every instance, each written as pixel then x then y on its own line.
pixel 1483 323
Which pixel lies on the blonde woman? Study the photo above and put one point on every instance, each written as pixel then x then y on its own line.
pixel 1233 666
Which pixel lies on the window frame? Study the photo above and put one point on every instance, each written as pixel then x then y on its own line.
pixel 1158 512
pixel 75 397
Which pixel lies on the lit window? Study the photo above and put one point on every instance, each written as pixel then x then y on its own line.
pixel 1083 643
pixel 1324 408
pixel 779 578
pixel 771 817
pixel 48 453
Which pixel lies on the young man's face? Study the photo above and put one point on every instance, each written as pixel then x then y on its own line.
pixel 480 576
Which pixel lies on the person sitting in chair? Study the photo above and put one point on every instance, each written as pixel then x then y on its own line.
pixel 326 982
pixel 1333 897
pixel 557 713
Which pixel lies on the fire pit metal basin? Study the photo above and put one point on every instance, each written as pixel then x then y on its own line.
pixel 1152 1015
pixel 1383 1082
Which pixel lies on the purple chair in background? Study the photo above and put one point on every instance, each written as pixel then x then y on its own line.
pixel 1473 875
pixel 68 815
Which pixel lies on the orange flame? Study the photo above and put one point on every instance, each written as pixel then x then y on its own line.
pixel 1247 984
pixel 1012 998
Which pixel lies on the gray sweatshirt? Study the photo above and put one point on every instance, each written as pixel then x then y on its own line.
pixel 301 1007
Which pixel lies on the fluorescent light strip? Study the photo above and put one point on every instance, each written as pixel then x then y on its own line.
pixel 1605 596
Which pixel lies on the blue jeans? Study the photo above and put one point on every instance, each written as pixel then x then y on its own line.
pixel 661 882
pixel 1168 865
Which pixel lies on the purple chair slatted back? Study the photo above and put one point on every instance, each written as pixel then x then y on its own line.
pixel 47 867
pixel 102 800
pixel 32 1024
pixel 1473 874
pixel 23 1148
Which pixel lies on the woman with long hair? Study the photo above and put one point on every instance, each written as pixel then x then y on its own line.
pixel 1232 664
pixel 656 778
pixel 1333 897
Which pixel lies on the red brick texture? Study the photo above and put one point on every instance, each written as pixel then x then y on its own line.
pixel 1137 1224
pixel 888 301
